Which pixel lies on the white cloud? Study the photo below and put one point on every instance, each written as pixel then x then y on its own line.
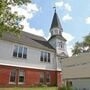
pixel 69 38
pixel 59 4
pixel 69 49
pixel 87 20
pixel 29 29
pixel 67 17
pixel 47 37
pixel 62 4
pixel 67 7
pixel 28 11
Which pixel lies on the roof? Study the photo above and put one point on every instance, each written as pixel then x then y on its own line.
pixel 58 36
pixel 56 22
pixel 76 66
pixel 28 39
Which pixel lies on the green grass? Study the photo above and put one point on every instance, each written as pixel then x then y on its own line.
pixel 36 88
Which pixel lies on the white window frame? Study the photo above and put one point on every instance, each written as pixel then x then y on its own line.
pixel 45 55
pixel 19 76
pixel 18 48
pixel 61 45
pixel 10 77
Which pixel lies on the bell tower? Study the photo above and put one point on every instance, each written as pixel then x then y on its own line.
pixel 56 27
pixel 57 41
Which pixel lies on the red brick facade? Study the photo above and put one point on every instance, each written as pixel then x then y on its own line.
pixel 31 77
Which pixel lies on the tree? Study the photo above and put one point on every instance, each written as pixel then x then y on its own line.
pixel 83 46
pixel 9 22
pixel 77 48
pixel 87 41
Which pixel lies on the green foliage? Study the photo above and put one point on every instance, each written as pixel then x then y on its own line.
pixel 65 88
pixel 87 40
pixel 77 48
pixel 9 22
pixel 31 88
pixel 80 47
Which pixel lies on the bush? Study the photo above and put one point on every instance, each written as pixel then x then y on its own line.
pixel 65 88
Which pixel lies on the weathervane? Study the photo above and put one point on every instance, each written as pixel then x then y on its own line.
pixel 54 8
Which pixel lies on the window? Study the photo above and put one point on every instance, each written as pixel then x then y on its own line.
pixel 45 57
pixel 69 83
pixel 15 51
pixel 42 77
pixel 41 56
pixel 21 77
pixel 61 45
pixel 13 76
pixel 47 77
pixel 48 57
pixel 56 31
pixel 25 53
pixel 20 52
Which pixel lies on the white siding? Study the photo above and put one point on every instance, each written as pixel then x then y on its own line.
pixel 58 64
pixel 55 31
pixel 32 61
pixel 6 49
pixel 81 84
pixel 60 50
pixel 53 43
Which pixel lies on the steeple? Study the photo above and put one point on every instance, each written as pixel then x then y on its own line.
pixel 56 27
pixel 57 41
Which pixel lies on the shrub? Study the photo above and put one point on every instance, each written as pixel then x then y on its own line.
pixel 65 88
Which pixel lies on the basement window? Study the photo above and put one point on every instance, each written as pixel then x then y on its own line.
pixel 21 77
pixel 47 77
pixel 41 77
pixel 13 76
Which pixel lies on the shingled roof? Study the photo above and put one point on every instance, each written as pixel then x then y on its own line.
pixel 55 22
pixel 58 36
pixel 29 39
pixel 77 66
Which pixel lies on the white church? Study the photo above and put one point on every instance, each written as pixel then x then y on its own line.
pixel 31 60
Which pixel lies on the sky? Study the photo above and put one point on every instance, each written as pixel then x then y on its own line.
pixel 74 17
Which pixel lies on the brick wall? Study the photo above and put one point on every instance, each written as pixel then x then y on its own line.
pixel 32 76
pixel 59 79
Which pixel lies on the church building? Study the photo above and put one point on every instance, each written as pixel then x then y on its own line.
pixel 31 60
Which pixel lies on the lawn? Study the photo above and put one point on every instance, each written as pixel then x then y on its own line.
pixel 38 88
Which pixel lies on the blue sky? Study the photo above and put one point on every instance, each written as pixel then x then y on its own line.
pixel 74 16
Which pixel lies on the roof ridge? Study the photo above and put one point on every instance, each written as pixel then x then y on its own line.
pixel 32 34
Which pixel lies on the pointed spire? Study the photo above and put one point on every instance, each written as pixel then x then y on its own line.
pixel 55 21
